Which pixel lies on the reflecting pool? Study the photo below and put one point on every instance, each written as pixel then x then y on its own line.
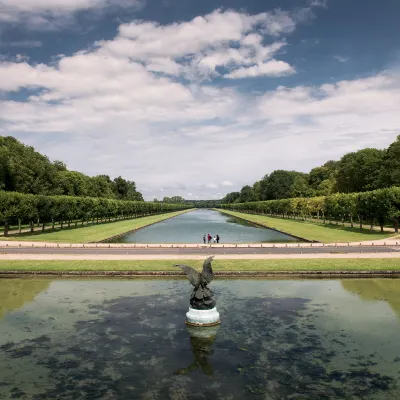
pixel 126 339
pixel 192 226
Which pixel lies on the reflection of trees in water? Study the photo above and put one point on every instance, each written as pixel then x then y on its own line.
pixel 14 293
pixel 201 342
pixel 136 347
pixel 376 289
pixel 239 221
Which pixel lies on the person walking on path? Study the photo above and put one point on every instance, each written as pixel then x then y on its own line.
pixel 217 238
pixel 204 239
pixel 209 238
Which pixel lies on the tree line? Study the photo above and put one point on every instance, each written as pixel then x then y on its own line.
pixel 360 171
pixel 192 203
pixel 18 208
pixel 378 206
pixel 24 170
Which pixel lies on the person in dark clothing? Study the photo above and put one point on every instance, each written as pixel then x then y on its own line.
pixel 209 238
pixel 204 239
pixel 217 238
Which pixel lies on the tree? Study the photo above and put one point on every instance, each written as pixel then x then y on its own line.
pixel 278 185
pixel 301 188
pixel 24 170
pixel 390 171
pixel 359 171
pixel 320 174
pixel 231 197
pixel 247 194
pixel 177 200
pixel 257 190
pixel 102 186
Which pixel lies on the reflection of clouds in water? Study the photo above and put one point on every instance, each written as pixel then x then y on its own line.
pixel 275 336
pixel 339 307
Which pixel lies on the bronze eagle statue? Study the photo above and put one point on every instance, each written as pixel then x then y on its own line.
pixel 201 297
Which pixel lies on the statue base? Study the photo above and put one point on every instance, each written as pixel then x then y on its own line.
pixel 202 317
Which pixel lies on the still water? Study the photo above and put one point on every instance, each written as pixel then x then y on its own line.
pixel 190 228
pixel 126 339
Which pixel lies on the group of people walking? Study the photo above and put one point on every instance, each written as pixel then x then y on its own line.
pixel 208 238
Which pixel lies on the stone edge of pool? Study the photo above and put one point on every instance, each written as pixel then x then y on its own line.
pixel 391 242
pixel 224 274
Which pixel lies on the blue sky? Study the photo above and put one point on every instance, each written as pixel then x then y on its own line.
pixel 199 98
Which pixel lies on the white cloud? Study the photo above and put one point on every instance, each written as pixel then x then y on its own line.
pixel 319 3
pixel 53 14
pixel 119 109
pixel 341 59
pixel 270 68
pixel 196 48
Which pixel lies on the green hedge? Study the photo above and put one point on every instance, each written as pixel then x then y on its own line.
pixel 18 208
pixel 381 206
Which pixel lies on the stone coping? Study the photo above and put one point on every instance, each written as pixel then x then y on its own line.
pixel 15 244
pixel 226 274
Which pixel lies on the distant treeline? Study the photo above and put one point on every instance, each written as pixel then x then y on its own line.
pixel 204 203
pixel 19 208
pixel 378 206
pixel 24 170
pixel 193 203
pixel 360 171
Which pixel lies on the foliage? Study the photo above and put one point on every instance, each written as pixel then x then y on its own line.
pixel 390 172
pixel 381 206
pixel 203 203
pixel 360 171
pixel 24 170
pixel 28 208
pixel 173 200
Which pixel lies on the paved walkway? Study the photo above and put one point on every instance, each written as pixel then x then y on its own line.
pixel 52 257
pixel 51 251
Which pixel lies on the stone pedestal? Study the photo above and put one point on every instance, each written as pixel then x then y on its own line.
pixel 202 317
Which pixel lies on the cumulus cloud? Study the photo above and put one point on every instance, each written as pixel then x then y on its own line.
pixel 195 49
pixel 53 14
pixel 122 108
pixel 270 68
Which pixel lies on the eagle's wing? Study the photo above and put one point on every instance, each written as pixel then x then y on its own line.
pixel 191 273
pixel 207 272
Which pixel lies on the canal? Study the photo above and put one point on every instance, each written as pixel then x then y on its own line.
pixel 72 339
pixel 192 226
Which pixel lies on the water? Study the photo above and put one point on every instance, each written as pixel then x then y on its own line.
pixel 126 339
pixel 190 228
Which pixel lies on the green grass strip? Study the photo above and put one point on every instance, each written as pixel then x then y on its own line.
pixel 367 264
pixel 327 233
pixel 92 233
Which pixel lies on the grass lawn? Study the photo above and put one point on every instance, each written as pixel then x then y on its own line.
pixel 92 233
pixel 368 264
pixel 313 230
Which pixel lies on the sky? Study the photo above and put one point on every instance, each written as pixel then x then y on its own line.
pixel 199 98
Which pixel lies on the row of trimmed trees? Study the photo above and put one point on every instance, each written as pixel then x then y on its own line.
pixel 18 208
pixel 378 206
